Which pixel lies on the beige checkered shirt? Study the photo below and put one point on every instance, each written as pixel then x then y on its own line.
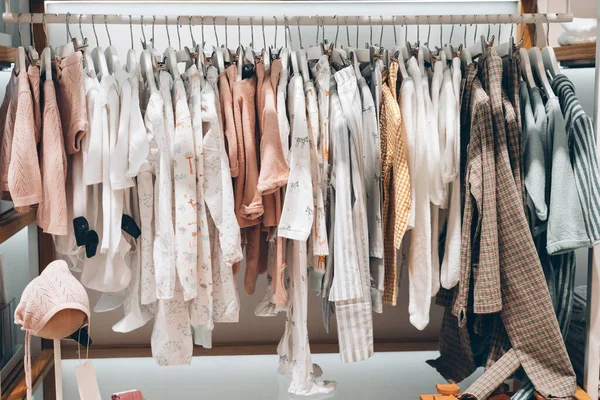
pixel 396 183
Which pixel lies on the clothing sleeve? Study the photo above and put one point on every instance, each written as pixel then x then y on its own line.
pixel 139 146
pixel 298 209
pixel 24 176
pixel 229 124
pixel 218 190
pixel 118 162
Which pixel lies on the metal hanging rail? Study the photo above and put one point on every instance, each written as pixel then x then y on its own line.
pixel 38 18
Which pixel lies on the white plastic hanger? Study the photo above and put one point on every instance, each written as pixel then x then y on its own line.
pixel 131 56
pixel 475 50
pixel 170 56
pixel 147 62
pixel 315 52
pixel 112 57
pixel 526 69
pixel 505 49
pixel 466 57
pixel 31 52
pixel 98 58
pixel 88 64
pixel 68 48
pixel 548 56
pixel 217 57
pixel 537 63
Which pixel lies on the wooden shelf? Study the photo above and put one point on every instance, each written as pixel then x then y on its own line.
pixel 580 51
pixel 7 54
pixel 15 388
pixel 12 222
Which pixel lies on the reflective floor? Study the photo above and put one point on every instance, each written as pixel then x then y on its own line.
pixel 386 376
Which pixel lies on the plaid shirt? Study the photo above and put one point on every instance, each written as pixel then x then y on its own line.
pixel 527 318
pixel 396 184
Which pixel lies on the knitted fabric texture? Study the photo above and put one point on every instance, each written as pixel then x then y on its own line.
pixel 52 213
pixel 53 291
pixel 72 100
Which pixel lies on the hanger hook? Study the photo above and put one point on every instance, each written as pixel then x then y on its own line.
pixel 226 34
pixel 317 39
pixel 395 34
pixel 476 28
pixel 512 26
pixel 287 33
pixel 381 33
pixel 178 34
pixel 191 33
pixel 489 26
pixel 548 31
pixel 347 31
pixel 202 31
pixel 130 30
pixel 441 32
pixel 357 30
pixel 167 29
pixel 405 29
pixel 252 31
pixel 299 36
pixel 418 29
pixel 107 32
pixel 465 32
pixel 262 23
pixel 19 28
pixel 143 33
pixel 429 31
pixel 45 27
pixel 80 30
pixel 534 31
pixel 337 30
pixel 452 30
pixel 153 21
pixel 499 29
pixel 275 37
pixel 68 17
pixel 94 29
pixel 215 29
pixel 239 32
pixel 31 30
pixel 370 32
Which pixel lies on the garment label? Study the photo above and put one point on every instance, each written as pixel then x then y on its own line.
pixel 87 382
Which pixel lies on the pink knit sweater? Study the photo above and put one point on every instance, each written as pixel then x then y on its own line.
pixel 19 166
pixel 52 213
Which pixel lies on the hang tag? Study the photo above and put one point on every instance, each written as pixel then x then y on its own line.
pixel 81 228
pixel 82 337
pixel 129 225
pixel 87 382
pixel 91 244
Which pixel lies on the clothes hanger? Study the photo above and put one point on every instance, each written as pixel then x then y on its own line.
pixel 466 57
pixel 526 69
pixel 274 52
pixel 46 61
pixel 66 49
pixel 88 64
pixel 506 49
pixel 249 54
pixel 362 55
pixel 201 55
pixel 476 48
pixel 112 57
pixel 131 56
pixel 183 55
pixel 217 56
pixel 424 52
pixel 158 57
pixel 30 51
pixel 98 57
pixel 170 57
pixel 315 52
pixel 20 59
pixel 448 49
pixel 266 51
pixel 338 53
pixel 550 62
pixel 238 58
pixel 397 53
pixel 535 56
pixel 147 62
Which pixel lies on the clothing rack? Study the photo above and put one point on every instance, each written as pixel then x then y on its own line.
pixel 592 354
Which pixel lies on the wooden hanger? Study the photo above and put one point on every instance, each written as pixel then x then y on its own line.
pixel 526 69
pixel 548 56
pixel 535 56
